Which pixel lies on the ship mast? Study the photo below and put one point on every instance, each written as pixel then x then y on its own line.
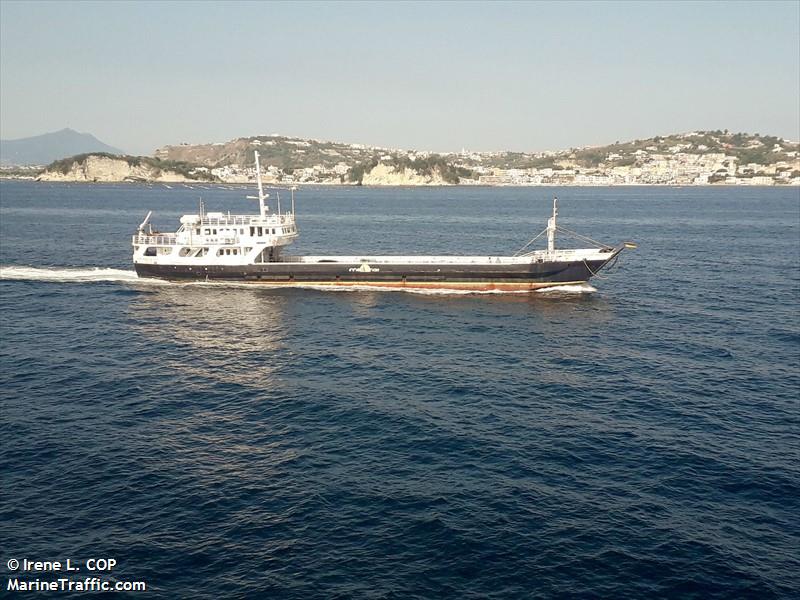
pixel 551 228
pixel 261 195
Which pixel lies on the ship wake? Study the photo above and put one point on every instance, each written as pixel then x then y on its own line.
pixel 67 274
pixel 583 288
pixel 100 274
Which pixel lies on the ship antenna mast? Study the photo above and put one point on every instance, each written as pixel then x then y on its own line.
pixel 261 195
pixel 551 228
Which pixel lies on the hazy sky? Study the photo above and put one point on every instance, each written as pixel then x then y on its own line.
pixel 484 76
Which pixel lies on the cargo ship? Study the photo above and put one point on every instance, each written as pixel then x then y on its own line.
pixel 215 246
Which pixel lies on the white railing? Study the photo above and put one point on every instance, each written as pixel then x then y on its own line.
pixel 246 220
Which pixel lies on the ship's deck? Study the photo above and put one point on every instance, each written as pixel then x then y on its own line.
pixel 557 256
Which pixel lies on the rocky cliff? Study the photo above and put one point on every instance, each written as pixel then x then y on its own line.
pixel 383 174
pixel 110 168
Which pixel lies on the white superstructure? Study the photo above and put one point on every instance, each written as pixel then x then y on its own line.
pixel 215 238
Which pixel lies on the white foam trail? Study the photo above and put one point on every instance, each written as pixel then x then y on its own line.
pixel 64 274
pixel 344 288
pixel 583 288
pixel 419 291
pixel 94 274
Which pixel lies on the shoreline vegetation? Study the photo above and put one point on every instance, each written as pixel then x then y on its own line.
pixel 689 159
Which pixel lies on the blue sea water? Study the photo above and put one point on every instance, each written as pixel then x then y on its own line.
pixel 221 441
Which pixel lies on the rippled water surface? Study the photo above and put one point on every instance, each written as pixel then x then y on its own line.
pixel 641 440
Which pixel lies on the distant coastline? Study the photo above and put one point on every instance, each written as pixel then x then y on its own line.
pixel 716 158
pixel 192 184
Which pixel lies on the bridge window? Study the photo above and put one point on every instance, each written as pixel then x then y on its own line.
pixel 207 231
pixel 260 232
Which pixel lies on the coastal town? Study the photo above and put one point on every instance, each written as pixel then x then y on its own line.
pixel 686 159
pixel 650 168
pixel 694 158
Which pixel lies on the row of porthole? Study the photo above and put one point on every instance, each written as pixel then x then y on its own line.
pixel 220 252
pixel 254 231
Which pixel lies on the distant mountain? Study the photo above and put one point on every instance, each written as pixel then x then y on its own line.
pixel 44 149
